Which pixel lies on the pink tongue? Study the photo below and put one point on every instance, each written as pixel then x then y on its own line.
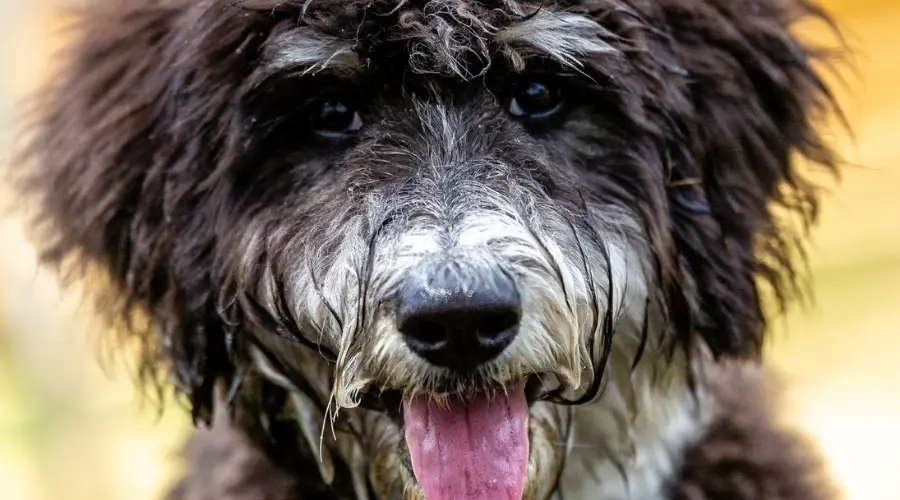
pixel 475 449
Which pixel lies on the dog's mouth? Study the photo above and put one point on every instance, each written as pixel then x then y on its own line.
pixel 473 446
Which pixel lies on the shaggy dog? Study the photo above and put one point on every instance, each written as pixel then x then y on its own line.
pixel 446 249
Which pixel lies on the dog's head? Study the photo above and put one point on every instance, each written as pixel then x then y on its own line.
pixel 461 215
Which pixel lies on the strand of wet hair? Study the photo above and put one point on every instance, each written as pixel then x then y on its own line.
pixel 606 327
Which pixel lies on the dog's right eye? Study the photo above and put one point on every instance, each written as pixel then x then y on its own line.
pixel 335 117
pixel 535 100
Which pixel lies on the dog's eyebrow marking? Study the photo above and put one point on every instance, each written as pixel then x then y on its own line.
pixel 310 52
pixel 564 36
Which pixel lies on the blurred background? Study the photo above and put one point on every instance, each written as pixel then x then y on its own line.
pixel 71 431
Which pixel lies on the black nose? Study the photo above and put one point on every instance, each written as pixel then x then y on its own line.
pixel 457 320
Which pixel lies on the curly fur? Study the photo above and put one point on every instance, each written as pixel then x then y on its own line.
pixel 170 154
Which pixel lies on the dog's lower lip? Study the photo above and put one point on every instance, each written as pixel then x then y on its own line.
pixel 533 388
pixel 393 404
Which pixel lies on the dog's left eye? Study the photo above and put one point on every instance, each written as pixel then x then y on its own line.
pixel 335 116
pixel 535 99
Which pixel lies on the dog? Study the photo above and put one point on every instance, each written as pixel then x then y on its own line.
pixel 446 249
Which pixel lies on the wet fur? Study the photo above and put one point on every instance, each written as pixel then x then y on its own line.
pixel 168 158
pixel 745 455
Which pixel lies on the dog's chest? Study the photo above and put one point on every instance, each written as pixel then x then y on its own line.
pixel 608 462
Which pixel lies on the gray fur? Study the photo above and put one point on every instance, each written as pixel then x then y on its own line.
pixel 189 150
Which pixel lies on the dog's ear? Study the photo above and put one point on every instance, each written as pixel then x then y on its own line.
pixel 736 186
pixel 126 145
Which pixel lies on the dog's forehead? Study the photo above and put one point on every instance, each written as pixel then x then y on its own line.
pixel 452 37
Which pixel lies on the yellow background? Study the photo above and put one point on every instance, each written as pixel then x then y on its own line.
pixel 69 431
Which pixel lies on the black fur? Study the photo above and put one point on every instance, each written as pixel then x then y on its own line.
pixel 167 134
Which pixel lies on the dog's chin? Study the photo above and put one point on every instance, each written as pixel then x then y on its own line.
pixel 499 442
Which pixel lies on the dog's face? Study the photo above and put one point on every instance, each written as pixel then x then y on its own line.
pixel 464 216
pixel 462 228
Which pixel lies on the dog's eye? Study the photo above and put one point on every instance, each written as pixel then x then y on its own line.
pixel 334 116
pixel 535 99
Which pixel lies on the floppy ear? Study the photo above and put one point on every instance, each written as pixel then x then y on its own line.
pixel 127 143
pixel 755 97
